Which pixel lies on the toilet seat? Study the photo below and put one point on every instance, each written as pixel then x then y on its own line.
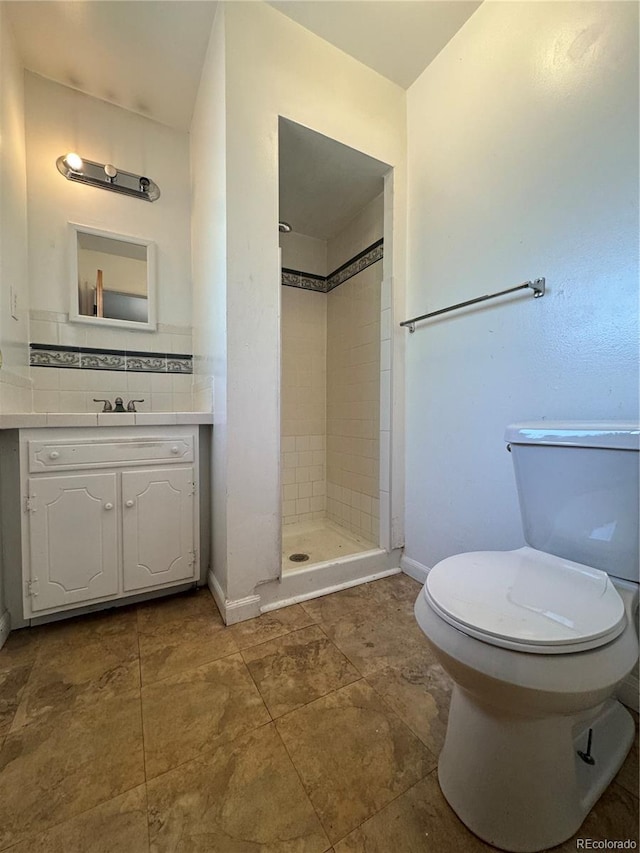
pixel 526 600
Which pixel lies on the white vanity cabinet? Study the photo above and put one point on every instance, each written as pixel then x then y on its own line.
pixel 73 540
pixel 106 513
pixel 157 527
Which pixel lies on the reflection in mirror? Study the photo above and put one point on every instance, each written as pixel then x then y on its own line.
pixel 112 278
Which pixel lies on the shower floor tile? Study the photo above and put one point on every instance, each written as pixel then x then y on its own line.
pixel 322 540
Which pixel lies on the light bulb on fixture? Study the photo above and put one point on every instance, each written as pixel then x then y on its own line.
pixel 107 177
pixel 74 161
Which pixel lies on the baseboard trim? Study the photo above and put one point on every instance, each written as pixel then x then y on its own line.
pixel 216 591
pixel 233 610
pixel 414 569
pixel 5 627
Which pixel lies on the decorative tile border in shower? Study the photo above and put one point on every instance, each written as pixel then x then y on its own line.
pixel 323 284
pixel 304 280
pixel 371 255
pixel 91 358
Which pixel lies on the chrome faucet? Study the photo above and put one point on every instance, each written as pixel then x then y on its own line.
pixel 118 405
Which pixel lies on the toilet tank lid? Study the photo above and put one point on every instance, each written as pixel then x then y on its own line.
pixel 620 435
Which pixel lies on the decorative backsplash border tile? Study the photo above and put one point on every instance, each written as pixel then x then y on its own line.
pixel 43 355
pixel 91 358
pixel 323 284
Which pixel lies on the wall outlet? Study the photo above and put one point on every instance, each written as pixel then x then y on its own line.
pixel 13 296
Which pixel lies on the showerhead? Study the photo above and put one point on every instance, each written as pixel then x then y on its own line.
pixel 284 227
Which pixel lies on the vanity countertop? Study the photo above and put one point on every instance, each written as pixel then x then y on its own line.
pixel 27 420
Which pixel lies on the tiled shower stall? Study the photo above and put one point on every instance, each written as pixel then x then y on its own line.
pixel 331 376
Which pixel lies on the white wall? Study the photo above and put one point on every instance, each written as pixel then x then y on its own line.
pixel 15 392
pixel 275 67
pixel 58 120
pixel 208 240
pixel 523 162
pixel 15 388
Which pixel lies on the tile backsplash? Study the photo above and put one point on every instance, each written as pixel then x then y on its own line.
pixel 73 390
pixel 51 327
pixel 71 364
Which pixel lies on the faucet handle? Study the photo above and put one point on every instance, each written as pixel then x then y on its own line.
pixel 131 405
pixel 107 405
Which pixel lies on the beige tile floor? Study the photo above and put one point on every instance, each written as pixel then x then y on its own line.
pixel 310 729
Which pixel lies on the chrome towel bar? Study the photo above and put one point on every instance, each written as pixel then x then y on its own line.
pixel 538 286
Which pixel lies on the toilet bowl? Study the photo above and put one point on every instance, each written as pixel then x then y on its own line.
pixel 537 642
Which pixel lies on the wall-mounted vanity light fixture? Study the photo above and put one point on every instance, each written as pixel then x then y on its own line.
pixel 75 168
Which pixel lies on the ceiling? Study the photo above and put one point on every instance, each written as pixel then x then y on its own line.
pixel 396 38
pixel 147 55
pixel 323 183
pixel 143 55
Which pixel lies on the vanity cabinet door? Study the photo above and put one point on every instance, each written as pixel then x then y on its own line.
pixel 158 527
pixel 73 539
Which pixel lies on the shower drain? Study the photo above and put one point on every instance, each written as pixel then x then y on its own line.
pixel 299 558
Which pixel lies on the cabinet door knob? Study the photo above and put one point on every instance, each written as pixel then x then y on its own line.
pixel 54 454
pixel 108 506
pixel 129 503
pixel 175 449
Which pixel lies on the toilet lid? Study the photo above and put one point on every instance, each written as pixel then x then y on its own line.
pixel 526 600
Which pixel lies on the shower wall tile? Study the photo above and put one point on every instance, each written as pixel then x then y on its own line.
pixel 385 354
pixel 330 401
pixel 385 399
pixel 385 509
pixel 303 404
pixel 353 402
pixel 300 252
pixel 323 284
pixel 364 230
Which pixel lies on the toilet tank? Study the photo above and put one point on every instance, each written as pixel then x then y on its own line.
pixel 578 491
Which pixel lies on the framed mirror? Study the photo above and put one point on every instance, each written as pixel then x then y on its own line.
pixel 112 279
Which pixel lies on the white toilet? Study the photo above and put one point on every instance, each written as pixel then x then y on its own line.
pixel 537 640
